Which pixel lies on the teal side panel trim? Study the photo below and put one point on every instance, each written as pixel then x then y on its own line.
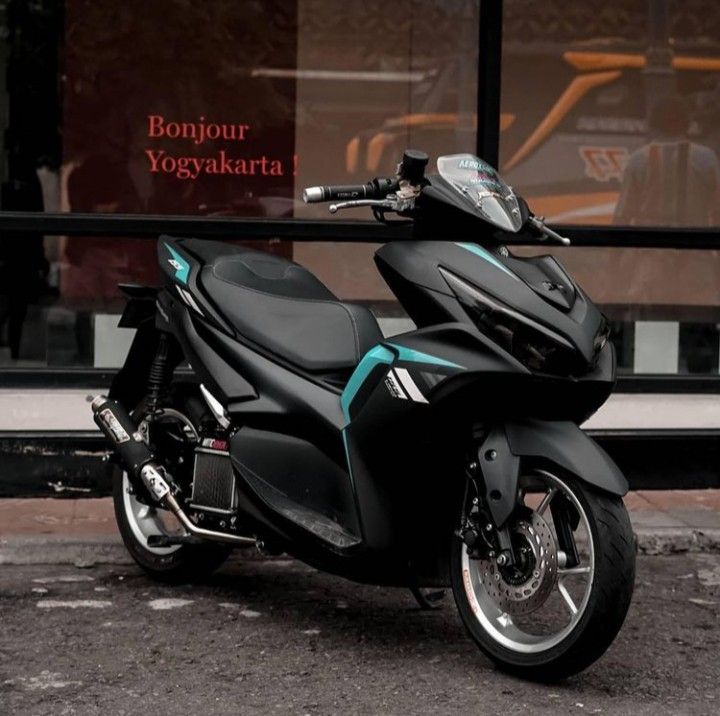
pixel 485 254
pixel 375 356
pixel 182 267
pixel 411 356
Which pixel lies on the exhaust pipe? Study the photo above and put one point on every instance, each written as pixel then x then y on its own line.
pixel 137 458
pixel 160 490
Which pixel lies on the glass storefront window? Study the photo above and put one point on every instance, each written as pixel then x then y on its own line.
pixel 226 108
pixel 611 115
pixel 373 80
pixel 608 116
pixel 623 126
pixel 219 108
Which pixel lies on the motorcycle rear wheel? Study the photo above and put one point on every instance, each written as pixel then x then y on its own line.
pixel 560 620
pixel 176 564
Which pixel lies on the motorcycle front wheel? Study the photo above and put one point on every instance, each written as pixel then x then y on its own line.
pixel 559 607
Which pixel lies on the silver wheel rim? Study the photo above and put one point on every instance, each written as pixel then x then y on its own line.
pixel 500 625
pixel 145 521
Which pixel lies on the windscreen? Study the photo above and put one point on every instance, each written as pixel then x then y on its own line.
pixel 483 189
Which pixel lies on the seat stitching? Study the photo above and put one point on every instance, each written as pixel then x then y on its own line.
pixel 265 293
pixel 239 260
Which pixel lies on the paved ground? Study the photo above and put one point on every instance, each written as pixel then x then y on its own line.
pixel 275 636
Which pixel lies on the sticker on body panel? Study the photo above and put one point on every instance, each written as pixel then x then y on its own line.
pixel 181 266
pixel 401 385
pixel 393 386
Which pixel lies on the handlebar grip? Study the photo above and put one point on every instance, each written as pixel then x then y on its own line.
pixel 341 192
pixel 375 189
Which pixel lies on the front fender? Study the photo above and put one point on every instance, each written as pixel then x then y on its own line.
pixel 562 443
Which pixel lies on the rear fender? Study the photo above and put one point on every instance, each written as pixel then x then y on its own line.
pixel 140 306
pixel 561 443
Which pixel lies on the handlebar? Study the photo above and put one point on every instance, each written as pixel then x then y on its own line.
pixel 375 189
pixel 382 193
pixel 546 232
pixel 411 172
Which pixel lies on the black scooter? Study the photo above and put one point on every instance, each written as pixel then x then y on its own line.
pixel 448 455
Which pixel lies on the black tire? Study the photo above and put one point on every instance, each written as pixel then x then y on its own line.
pixel 607 606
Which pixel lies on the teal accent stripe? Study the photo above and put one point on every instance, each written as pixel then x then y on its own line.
pixel 485 254
pixel 181 273
pixel 381 355
pixel 375 356
pixel 412 356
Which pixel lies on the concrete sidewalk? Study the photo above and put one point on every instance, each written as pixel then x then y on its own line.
pixel 35 409
pixel 83 532
pixel 667 521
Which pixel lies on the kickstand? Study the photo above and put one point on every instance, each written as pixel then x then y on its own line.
pixel 428 599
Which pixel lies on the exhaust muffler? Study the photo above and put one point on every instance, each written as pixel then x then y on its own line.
pixel 119 428
pixel 137 458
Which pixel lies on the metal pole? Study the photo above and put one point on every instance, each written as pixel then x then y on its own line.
pixel 658 73
pixel 488 91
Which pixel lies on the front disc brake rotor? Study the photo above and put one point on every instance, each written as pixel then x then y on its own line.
pixel 524 592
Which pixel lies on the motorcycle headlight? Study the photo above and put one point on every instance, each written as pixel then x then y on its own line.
pixel 602 336
pixel 532 344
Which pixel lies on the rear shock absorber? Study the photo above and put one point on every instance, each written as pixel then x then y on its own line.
pixel 160 374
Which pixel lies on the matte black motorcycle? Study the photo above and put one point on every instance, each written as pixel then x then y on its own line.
pixel 448 455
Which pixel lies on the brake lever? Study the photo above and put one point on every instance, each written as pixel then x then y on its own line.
pixel 395 203
pixel 547 232
pixel 385 203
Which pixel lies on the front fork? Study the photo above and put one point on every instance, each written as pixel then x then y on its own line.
pixel 481 535
pixel 493 500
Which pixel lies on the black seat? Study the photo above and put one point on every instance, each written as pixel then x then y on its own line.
pixel 282 307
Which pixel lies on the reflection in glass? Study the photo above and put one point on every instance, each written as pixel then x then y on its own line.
pixel 671 180
pixel 611 115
